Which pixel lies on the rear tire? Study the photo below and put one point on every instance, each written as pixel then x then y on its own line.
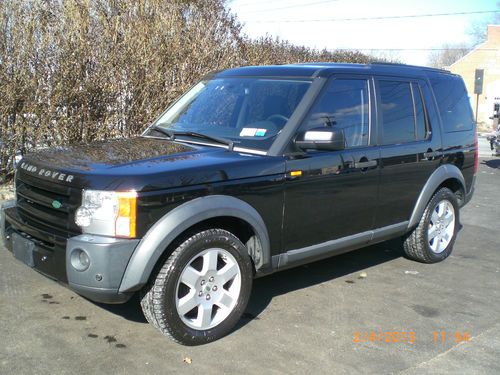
pixel 201 291
pixel 433 239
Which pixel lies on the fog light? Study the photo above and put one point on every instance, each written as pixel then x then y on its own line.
pixel 80 260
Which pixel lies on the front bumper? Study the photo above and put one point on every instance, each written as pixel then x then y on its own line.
pixel 54 257
pixel 108 260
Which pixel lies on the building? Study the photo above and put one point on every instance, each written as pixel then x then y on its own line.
pixel 484 56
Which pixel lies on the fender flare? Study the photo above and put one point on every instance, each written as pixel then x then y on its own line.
pixel 441 174
pixel 175 222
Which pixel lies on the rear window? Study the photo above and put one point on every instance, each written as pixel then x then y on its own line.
pixel 397 112
pixel 420 120
pixel 453 103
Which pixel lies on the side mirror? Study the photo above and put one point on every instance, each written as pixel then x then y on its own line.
pixel 324 138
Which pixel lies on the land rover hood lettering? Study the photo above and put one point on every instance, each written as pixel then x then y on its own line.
pixel 44 172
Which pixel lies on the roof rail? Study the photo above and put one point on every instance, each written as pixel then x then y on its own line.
pixel 409 66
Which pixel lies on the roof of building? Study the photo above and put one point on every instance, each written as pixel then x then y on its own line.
pixel 492 29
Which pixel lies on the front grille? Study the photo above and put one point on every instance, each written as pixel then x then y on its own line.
pixel 48 206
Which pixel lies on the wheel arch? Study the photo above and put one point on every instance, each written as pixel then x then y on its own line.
pixel 225 211
pixel 447 175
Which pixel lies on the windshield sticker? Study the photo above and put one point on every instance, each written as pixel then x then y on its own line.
pixel 248 132
pixel 260 132
pixel 252 132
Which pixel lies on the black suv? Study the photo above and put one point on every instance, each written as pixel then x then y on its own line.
pixel 252 171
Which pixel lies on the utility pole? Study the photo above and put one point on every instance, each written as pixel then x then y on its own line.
pixel 477 105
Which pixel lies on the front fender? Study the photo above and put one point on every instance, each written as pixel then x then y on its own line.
pixel 174 223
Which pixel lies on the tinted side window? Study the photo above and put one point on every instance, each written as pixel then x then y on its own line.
pixel 397 112
pixel 345 105
pixel 420 120
pixel 453 102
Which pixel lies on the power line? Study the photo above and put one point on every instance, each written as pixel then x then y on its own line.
pixel 292 6
pixel 376 18
pixel 412 49
pixel 252 3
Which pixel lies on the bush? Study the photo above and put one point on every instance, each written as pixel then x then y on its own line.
pixel 81 70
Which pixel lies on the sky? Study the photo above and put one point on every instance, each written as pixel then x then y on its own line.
pixel 406 39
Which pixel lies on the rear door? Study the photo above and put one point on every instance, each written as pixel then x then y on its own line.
pixel 333 194
pixel 409 148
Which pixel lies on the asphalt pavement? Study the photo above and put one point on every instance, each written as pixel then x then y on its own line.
pixel 325 317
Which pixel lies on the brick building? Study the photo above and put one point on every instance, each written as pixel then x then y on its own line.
pixel 485 56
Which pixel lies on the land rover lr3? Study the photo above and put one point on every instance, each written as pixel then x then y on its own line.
pixel 252 171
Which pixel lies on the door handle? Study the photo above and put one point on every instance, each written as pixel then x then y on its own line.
pixel 365 164
pixel 430 155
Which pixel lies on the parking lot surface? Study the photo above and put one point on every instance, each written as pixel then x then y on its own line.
pixel 303 319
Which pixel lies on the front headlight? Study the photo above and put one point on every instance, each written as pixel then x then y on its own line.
pixel 108 213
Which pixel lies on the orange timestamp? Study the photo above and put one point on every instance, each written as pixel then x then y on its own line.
pixel 409 337
pixel 385 336
pixel 440 337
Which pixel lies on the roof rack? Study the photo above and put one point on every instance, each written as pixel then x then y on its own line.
pixel 409 66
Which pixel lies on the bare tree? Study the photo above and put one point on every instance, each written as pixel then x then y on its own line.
pixel 447 54
pixel 477 30
pixel 83 70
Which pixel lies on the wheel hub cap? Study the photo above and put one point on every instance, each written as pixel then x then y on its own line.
pixel 208 289
pixel 441 226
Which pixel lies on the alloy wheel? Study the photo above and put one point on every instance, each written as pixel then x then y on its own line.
pixel 441 226
pixel 208 289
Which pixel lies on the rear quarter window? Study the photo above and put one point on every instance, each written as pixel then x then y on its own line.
pixel 453 103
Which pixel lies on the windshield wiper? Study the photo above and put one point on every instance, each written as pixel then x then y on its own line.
pixel 163 131
pixel 172 134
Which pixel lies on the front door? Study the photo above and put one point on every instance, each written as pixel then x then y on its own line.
pixel 333 194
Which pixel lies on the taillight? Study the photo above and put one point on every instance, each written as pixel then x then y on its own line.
pixel 476 156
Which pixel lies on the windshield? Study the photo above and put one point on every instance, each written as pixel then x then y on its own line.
pixel 250 112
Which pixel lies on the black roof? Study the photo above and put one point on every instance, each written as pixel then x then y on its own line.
pixel 325 69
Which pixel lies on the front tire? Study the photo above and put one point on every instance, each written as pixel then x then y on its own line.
pixel 202 289
pixel 433 239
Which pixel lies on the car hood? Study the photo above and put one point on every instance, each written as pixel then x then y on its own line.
pixel 143 164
